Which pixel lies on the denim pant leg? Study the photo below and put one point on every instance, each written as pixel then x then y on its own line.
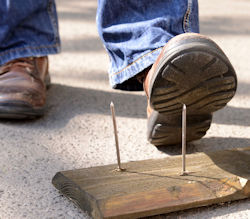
pixel 28 28
pixel 134 31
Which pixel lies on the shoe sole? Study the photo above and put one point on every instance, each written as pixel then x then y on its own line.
pixel 167 130
pixel 196 73
pixel 19 110
pixel 15 109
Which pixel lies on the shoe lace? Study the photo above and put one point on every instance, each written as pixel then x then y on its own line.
pixel 27 63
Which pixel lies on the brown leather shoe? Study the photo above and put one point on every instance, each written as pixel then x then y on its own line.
pixel 23 87
pixel 191 69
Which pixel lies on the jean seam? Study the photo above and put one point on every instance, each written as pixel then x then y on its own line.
pixel 186 19
pixel 116 73
pixel 29 47
pixel 53 21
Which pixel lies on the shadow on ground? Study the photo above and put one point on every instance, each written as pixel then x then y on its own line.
pixel 82 101
pixel 66 102
pixel 225 25
pixel 209 144
pixel 233 116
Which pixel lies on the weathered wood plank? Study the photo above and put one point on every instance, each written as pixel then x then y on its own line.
pixel 154 187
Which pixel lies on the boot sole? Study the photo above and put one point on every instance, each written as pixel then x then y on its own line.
pixel 19 110
pixel 195 73
pixel 167 130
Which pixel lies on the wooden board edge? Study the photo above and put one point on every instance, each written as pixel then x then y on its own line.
pixel 74 193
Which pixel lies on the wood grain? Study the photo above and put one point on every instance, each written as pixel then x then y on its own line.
pixel 153 187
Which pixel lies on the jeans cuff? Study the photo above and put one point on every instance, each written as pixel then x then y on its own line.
pixel 29 51
pixel 119 80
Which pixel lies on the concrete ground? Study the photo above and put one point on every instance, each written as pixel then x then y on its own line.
pixel 76 131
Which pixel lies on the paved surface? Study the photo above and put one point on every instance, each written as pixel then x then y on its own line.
pixel 76 131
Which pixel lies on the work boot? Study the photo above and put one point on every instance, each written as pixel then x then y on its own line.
pixel 192 70
pixel 23 84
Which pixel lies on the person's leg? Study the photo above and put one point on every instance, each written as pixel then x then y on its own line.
pixel 190 69
pixel 27 28
pixel 28 33
pixel 134 32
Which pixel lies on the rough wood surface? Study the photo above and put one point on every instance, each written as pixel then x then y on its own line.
pixel 153 187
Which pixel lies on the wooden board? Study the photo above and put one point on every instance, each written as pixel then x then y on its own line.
pixel 153 187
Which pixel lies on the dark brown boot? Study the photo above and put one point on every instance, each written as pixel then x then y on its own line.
pixel 191 70
pixel 23 87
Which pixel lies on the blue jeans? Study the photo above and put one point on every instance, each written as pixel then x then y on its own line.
pixel 28 28
pixel 133 32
